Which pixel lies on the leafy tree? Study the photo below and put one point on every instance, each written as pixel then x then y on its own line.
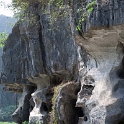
pixel 3 38
pixel 58 9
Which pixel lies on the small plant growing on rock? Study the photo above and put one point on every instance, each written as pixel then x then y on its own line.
pixel 3 38
pixel 39 122
pixel 25 122
pixel 53 115
pixel 89 9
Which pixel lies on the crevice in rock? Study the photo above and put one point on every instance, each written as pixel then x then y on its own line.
pixel 79 111
pixel 60 76
pixel 86 91
pixel 21 114
pixel 77 91
pixel 65 106
pixel 42 47
pixel 79 114
pixel 32 104
pixel 120 73
pixel 76 112
pixel 121 122
pixel 43 108
pixel 85 118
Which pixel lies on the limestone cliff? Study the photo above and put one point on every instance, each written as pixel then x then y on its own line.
pixel 66 77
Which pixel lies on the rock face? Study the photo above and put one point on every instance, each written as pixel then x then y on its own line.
pixel 101 85
pixel 68 78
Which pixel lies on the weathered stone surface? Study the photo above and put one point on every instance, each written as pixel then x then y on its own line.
pixel 43 55
pixel 21 114
pixel 43 95
pixel 37 53
pixel 66 102
pixel 103 72
pixel 107 13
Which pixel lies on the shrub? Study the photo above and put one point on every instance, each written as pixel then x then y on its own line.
pixel 3 38
pixel 25 122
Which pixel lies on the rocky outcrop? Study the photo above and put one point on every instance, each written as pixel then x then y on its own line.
pixel 99 92
pixel 67 77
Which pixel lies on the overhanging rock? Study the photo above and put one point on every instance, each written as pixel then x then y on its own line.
pixel 87 70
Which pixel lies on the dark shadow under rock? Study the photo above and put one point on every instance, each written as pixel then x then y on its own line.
pixel 65 105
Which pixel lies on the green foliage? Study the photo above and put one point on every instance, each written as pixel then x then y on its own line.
pixel 53 116
pixel 58 9
pixel 19 8
pixel 3 38
pixel 91 4
pixel 89 9
pixel 22 9
pixel 6 112
pixel 7 123
pixel 38 122
pixel 25 122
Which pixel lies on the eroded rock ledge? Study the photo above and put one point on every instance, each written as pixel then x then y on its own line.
pixel 101 94
pixel 67 78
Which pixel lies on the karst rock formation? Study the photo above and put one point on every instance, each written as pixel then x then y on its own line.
pixel 68 76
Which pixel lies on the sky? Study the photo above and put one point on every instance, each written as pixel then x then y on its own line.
pixel 4 10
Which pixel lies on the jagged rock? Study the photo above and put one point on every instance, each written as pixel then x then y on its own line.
pixel 42 59
pixel 43 95
pixel 42 106
pixel 40 110
pixel 13 87
pixel 104 71
pixel 21 114
pixel 65 104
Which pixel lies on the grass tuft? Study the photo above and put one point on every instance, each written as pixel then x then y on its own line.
pixel 7 123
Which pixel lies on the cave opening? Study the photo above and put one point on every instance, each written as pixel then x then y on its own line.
pixel 32 104
pixel 77 91
pixel 79 112
pixel 121 122
pixel 85 118
pixel 27 107
pixel 73 112
pixel 44 108
pixel 22 113
pixel 120 73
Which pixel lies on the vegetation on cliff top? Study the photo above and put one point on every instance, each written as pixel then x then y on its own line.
pixel 58 9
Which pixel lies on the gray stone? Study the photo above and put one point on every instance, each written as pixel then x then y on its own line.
pixel 90 67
